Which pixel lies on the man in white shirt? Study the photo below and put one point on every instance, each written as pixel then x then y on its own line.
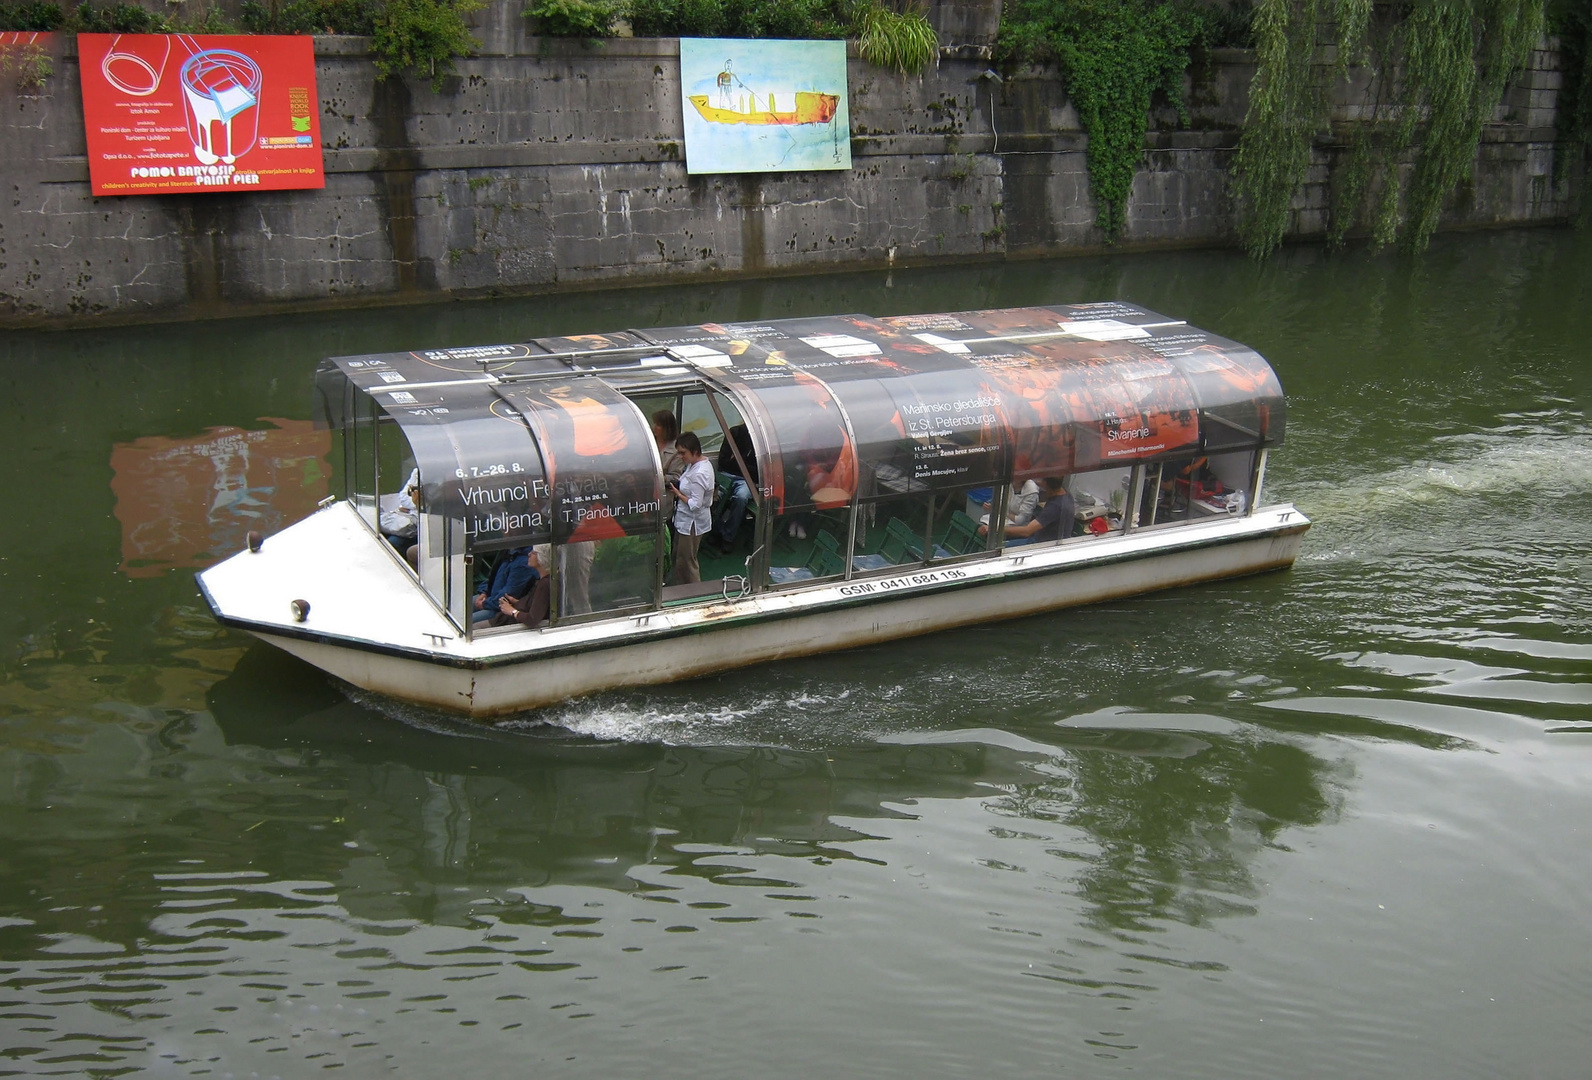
pixel 693 508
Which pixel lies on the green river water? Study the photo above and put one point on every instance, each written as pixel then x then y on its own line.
pixel 1330 822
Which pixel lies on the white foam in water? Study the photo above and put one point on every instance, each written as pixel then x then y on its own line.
pixel 1507 464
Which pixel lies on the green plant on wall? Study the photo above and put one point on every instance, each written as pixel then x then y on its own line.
pixel 423 36
pixel 29 64
pixel 889 33
pixel 1439 68
pixel 903 40
pixel 31 16
pixel 575 18
pixel 311 16
pixel 1114 56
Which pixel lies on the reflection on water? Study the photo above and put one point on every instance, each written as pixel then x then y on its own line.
pixel 279 858
pixel 186 503
pixel 1324 822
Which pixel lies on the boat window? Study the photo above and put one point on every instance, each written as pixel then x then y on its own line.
pixel 957 517
pixel 361 446
pixel 1198 487
pixel 603 470
pixel 696 415
pixel 808 545
pixel 891 533
pixel 1100 497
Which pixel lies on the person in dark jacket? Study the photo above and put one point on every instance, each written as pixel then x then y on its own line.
pixel 513 577
pixel 735 503
pixel 532 608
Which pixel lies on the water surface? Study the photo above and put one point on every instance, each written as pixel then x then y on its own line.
pixel 1329 822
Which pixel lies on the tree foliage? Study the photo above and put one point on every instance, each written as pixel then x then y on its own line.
pixel 1438 67
pixel 424 36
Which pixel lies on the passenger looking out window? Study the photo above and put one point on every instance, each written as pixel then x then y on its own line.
pixel 693 511
pixel 1053 522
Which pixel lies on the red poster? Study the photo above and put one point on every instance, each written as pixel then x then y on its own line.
pixel 167 113
pixel 21 39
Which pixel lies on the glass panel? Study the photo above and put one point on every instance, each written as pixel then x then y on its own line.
pixel 1219 484
pixel 362 478
pixel 922 419
pixel 808 546
pixel 602 465
pixel 478 464
pixel 1100 498
pixel 477 461
pixel 1241 402
pixel 697 416
pixel 1166 386
pixel 814 464
pixel 891 533
pixel 958 515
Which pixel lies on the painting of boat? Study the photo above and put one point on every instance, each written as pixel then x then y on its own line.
pixel 764 106
pixel 801 107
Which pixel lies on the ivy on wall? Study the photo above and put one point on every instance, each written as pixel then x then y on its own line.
pixel 1438 68
pixel 1114 56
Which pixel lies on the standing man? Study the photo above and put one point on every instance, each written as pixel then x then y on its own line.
pixel 693 508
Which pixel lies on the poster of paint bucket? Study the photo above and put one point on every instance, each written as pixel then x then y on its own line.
pixel 764 106
pixel 166 113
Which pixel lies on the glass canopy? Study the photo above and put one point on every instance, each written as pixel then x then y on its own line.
pixel 541 442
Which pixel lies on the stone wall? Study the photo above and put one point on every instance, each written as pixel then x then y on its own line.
pixel 551 164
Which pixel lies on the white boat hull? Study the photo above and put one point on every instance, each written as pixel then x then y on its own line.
pixel 504 673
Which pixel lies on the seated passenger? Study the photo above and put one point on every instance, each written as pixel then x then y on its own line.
pixel 513 577
pixel 1054 521
pixel 734 510
pixel 400 514
pixel 1021 506
pixel 529 609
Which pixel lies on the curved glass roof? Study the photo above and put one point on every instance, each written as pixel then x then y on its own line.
pixel 535 441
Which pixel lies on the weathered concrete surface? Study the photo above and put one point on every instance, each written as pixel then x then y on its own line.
pixel 551 164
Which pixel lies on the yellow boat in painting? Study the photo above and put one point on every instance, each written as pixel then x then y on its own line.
pixel 801 107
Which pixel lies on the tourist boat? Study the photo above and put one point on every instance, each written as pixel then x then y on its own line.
pixel 889 454
pixel 801 107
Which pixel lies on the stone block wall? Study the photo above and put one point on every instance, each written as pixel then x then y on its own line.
pixel 552 164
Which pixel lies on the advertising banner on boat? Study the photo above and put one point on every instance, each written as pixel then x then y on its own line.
pixel 764 106
pixel 167 113
pixel 599 455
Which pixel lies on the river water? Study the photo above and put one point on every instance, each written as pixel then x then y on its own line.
pixel 1330 822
